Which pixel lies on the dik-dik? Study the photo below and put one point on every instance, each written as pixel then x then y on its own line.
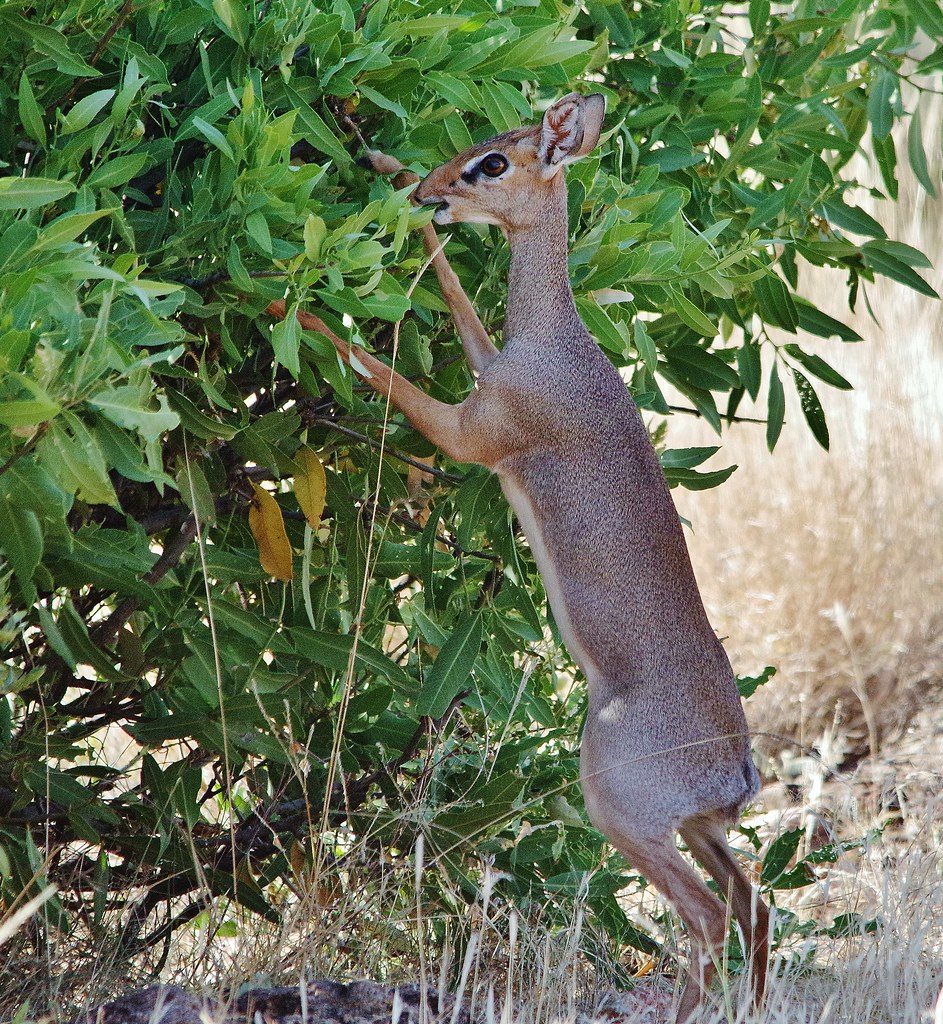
pixel 665 747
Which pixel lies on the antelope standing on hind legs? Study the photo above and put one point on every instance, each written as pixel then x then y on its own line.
pixel 665 746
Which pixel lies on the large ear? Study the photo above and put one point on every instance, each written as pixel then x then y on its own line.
pixel 570 129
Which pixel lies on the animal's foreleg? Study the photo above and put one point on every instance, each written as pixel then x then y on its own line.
pixel 439 422
pixel 478 347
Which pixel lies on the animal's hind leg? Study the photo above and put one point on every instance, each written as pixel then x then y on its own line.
pixel 704 916
pixel 706 838
pixel 478 348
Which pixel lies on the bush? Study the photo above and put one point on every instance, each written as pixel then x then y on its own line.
pixel 171 169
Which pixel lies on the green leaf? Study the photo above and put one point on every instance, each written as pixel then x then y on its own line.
pixel 316 131
pixel 774 302
pixel 610 335
pixel 692 480
pixel 195 491
pixel 28 193
pixel 748 685
pixel 86 110
pixel 214 136
pixel 702 368
pixel 54 636
pixel 451 670
pixel 234 19
pixel 880 104
pixel 852 218
pixel 52 43
pixel 459 92
pixel 332 650
pixel 196 421
pixel 76 461
pixel 74 631
pixel 534 50
pixel 501 110
pixel 35 488
pixel 286 342
pixel 237 271
pixel 314 233
pixel 117 171
pixel 917 154
pixel 928 16
pixel 776 409
pixel 383 102
pixel 27 412
pixel 130 408
pixel 885 152
pixel 882 262
pixel 22 540
pixel 644 345
pixel 813 320
pixel 686 458
pixel 759 16
pixel 262 634
pixel 749 367
pixel 67 228
pixel 429 25
pixel 692 316
pixel 817 366
pixel 901 251
pixel 30 113
pixel 487 804
pixel 779 854
pixel 811 408
pixel 473 497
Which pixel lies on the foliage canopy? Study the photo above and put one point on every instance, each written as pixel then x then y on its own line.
pixel 168 169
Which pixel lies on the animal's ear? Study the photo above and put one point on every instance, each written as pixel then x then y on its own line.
pixel 570 129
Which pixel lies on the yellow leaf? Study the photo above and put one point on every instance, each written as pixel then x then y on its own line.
pixel 298 858
pixel 268 528
pixel 310 486
pixel 646 968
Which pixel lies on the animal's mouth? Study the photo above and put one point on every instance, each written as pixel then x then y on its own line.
pixel 443 214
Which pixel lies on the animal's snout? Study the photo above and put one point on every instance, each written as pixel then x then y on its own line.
pixel 425 196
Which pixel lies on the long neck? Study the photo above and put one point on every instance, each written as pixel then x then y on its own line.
pixel 539 293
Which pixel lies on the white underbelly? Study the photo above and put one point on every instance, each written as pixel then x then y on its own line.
pixel 520 502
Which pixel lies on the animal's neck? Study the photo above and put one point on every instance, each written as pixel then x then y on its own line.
pixel 539 293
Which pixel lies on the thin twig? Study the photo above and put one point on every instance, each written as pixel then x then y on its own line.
pixel 171 555
pixel 25 448
pixel 730 419
pixel 120 18
pixel 452 478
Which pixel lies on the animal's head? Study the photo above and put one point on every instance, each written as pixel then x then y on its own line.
pixel 505 180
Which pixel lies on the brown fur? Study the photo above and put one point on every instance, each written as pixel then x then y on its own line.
pixel 665 747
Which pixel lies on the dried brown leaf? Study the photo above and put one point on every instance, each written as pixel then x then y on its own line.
pixel 310 486
pixel 268 528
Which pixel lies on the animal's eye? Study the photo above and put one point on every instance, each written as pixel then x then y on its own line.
pixel 494 165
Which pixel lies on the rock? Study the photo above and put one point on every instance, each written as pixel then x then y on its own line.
pixel 159 1004
pixel 323 1002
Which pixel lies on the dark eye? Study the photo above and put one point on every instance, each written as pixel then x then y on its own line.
pixel 494 165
